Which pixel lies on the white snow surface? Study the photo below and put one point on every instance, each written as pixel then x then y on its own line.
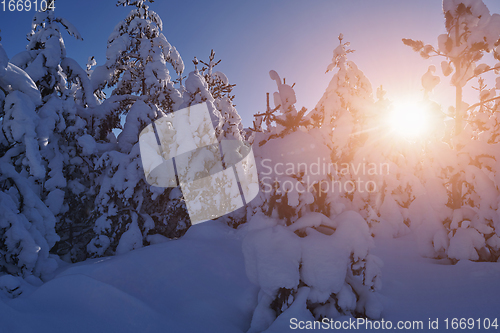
pixel 198 284
pixel 194 284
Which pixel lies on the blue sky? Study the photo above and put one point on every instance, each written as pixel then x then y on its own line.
pixel 295 38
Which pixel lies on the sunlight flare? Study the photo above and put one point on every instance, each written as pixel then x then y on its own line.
pixel 409 119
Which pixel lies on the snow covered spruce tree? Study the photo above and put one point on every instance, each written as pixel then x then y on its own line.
pixel 221 90
pixel 302 247
pixel 128 210
pixel 216 91
pixel 66 150
pixel 369 164
pixel 345 105
pixel 27 226
pixel 464 221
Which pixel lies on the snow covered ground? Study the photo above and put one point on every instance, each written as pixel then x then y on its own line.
pixel 198 284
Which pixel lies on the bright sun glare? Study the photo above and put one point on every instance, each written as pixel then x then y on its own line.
pixel 409 119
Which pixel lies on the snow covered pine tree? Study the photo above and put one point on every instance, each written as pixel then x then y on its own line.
pixel 462 175
pixel 44 153
pixel 352 125
pixel 220 89
pixel 302 247
pixel 27 226
pixel 128 211
pixel 230 126
pixel 68 150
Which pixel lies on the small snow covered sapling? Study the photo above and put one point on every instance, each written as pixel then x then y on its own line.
pixel 218 82
pixel 221 90
pixel 229 125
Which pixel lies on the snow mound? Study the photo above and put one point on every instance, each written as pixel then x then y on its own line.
pixel 193 284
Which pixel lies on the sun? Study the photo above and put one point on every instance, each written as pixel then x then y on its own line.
pixel 409 119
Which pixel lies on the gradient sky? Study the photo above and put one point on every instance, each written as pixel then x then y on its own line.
pixel 295 38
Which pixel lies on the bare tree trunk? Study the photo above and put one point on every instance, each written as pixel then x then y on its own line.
pixel 458 111
pixel 456 183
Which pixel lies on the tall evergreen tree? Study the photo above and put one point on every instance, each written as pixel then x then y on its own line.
pixel 27 226
pixel 67 149
pixel 370 166
pixel 127 208
pixel 463 223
